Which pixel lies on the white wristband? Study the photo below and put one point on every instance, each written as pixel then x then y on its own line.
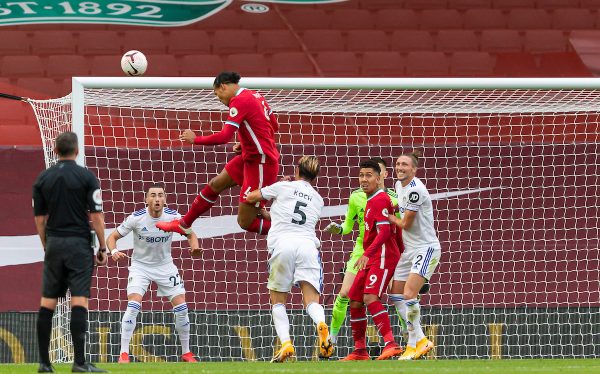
pixel 113 251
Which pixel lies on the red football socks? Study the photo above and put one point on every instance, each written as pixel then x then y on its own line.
pixel 201 204
pixel 382 320
pixel 358 322
pixel 260 226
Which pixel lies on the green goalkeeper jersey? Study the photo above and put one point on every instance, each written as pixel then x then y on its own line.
pixel 356 213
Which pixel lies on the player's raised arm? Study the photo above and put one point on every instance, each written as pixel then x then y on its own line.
pixel 222 137
pixel 195 249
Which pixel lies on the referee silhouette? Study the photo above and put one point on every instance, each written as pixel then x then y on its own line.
pixel 63 195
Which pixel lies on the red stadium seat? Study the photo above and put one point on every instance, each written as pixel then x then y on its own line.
pixel 513 4
pixel 188 42
pixel 412 40
pixel 18 133
pixel 425 4
pixel 352 19
pixel 162 66
pixel 573 19
pixel 261 21
pixel 273 41
pixel 323 40
pixel 434 19
pixel 147 41
pixel 367 40
pixel 471 64
pixel 338 64
pixel 383 64
pixel 251 64
pixel 67 66
pixel 380 4
pixel 99 42
pixel 427 64
pixel 53 43
pixel 516 65
pixel 555 4
pixel 224 19
pixel 543 41
pixel 201 65
pixel 567 64
pixel 291 64
pixel 14 43
pixel 306 19
pixel 106 66
pixel 22 66
pixel 457 40
pixel 396 19
pixel 44 86
pixel 11 113
pixel 528 19
pixel 480 19
pixel 495 41
pixel 590 4
pixel 233 41
pixel 469 4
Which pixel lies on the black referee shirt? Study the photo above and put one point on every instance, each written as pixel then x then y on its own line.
pixel 66 192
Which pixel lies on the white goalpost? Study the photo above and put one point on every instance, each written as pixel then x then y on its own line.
pixel 512 164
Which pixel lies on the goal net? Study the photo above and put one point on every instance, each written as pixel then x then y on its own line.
pixel 514 172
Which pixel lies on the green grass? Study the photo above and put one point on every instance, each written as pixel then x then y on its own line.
pixel 333 367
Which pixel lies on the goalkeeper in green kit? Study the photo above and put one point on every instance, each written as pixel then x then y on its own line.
pixel 355 213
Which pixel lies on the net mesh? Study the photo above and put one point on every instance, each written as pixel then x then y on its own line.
pixel 514 175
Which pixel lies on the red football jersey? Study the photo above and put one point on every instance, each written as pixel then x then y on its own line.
pixel 250 113
pixel 385 254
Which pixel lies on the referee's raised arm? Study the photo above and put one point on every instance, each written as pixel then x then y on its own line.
pixel 65 198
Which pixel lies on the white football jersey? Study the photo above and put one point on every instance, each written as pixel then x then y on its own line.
pixel 151 246
pixel 296 209
pixel 416 198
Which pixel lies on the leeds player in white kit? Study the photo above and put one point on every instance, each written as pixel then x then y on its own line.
pixel 421 254
pixel 151 261
pixel 294 256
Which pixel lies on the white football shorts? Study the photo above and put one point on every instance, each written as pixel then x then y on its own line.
pixel 166 277
pixel 292 261
pixel 422 261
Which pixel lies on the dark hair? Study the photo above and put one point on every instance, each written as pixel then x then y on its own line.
pixel 414 156
pixel 379 160
pixel 371 164
pixel 155 185
pixel 66 144
pixel 308 167
pixel 226 77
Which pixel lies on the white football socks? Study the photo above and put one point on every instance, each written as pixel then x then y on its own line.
pixel 281 322
pixel 414 319
pixel 182 325
pixel 128 324
pixel 316 312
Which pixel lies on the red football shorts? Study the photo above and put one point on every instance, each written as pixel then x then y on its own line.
pixel 371 280
pixel 251 175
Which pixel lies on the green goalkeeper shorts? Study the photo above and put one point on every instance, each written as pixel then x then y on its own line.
pixel 354 256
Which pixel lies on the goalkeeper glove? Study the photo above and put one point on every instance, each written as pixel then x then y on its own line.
pixel 334 228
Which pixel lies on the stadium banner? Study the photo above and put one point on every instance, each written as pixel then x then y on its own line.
pixel 249 335
pixel 128 12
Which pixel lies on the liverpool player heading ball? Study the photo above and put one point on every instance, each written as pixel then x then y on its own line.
pixel 256 164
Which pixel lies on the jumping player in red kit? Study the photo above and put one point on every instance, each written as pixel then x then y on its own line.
pixel 375 267
pixel 255 165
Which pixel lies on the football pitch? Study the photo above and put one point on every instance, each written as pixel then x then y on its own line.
pixel 333 367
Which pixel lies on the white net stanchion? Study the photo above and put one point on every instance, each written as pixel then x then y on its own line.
pixel 514 172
